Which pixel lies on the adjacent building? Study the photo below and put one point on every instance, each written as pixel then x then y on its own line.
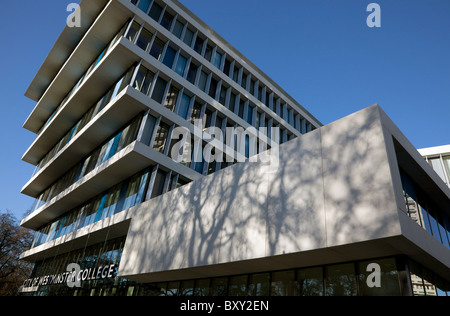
pixel 167 163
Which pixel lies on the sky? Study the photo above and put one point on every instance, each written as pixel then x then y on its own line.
pixel 321 52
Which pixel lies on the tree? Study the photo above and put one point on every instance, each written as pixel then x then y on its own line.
pixel 14 240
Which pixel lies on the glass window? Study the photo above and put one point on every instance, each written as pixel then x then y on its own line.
pixel 213 88
pixel 178 29
pixel 184 106
pixel 160 89
pixel 166 21
pixel 283 283
pixel 238 286
pixel 172 98
pixel 188 37
pixel 259 284
pixel 223 95
pixel 161 137
pixel 144 40
pixel 169 57
pixel 236 74
pixel 198 45
pixel 157 48
pixel 155 11
pixel 219 287
pixel 203 81
pixel 232 105
pixel 196 112
pixel 202 287
pixel 310 282
pixel 218 60
pixel 148 130
pixel 227 67
pixel 389 280
pixel 134 29
pixel 143 80
pixel 437 166
pixel 447 165
pixel 208 53
pixel 250 114
pixel 187 288
pixel 181 65
pixel 341 280
pixel 172 288
pixel 144 4
pixel 416 279
pixel 158 187
pixel 192 73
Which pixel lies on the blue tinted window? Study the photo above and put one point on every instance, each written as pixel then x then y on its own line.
pixel 143 5
pixel 181 65
pixel 169 57
pixel 184 106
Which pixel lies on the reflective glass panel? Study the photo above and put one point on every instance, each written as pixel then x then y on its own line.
pixel 259 284
pixel 283 283
pixel 341 280
pixel 389 284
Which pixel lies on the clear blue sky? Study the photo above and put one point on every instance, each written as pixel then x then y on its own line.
pixel 320 51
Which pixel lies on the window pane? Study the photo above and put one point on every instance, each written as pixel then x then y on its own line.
pixel 169 57
pixel 218 60
pixel 188 37
pixel 259 284
pixel 167 20
pixel 203 81
pixel 187 288
pixel 198 45
pixel 158 187
pixel 172 288
pixel 213 88
pixel 157 48
pixel 341 280
pixel 171 99
pixel 131 35
pixel 144 39
pixel 192 73
pixel 161 137
pixel 202 287
pixel 184 106
pixel 388 279
pixel 144 4
pixel 227 67
pixel 447 165
pixel 155 11
pixel 219 287
pixel 196 112
pixel 283 283
pixel 208 53
pixel 416 279
pixel 310 282
pixel 181 65
pixel 238 286
pixel 437 166
pixel 143 80
pixel 160 88
pixel 178 29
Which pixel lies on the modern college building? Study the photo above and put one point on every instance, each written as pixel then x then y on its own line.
pixel 168 164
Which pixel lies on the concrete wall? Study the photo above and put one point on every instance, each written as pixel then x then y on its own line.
pixel 333 188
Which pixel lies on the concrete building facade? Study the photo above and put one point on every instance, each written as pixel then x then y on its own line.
pixel 285 207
